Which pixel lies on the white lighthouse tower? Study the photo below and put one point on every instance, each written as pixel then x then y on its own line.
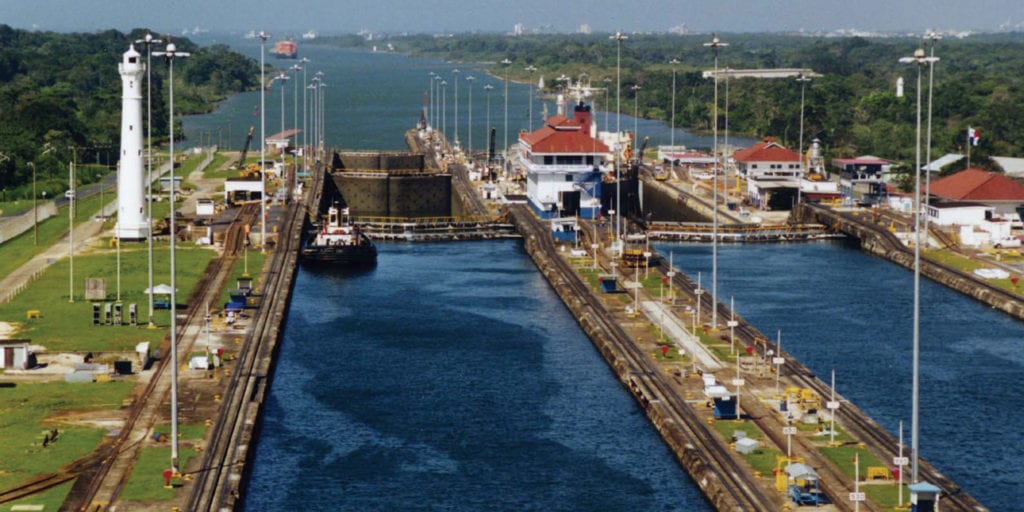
pixel 131 213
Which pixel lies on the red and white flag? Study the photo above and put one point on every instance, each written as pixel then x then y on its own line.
pixel 973 136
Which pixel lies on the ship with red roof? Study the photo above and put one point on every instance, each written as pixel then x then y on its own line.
pixel 286 49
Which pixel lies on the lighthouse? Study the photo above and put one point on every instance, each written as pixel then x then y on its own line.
pixel 131 214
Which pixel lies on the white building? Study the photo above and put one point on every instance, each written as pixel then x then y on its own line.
pixel 563 163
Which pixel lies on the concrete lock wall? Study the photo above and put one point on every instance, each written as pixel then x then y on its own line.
pixel 396 196
pixel 420 196
pixel 374 161
pixel 665 208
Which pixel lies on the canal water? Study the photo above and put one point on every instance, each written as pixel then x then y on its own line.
pixel 450 377
pixel 840 308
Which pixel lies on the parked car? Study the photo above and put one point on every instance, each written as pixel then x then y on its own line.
pixel 1007 243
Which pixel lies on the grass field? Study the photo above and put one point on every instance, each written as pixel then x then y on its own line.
pixel 65 326
pixel 17 251
pixel 51 499
pixel 25 406
pixel 147 481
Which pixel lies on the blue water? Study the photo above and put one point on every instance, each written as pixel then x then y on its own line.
pixel 373 98
pixel 839 308
pixel 450 377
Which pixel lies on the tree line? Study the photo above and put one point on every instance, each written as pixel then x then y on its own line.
pixel 60 99
pixel 852 107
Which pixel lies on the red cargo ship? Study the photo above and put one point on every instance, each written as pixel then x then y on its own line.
pixel 285 49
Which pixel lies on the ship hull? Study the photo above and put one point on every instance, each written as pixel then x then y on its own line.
pixel 365 253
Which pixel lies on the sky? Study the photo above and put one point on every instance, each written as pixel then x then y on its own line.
pixel 293 17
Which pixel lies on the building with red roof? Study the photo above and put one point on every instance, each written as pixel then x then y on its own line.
pixel 979 186
pixel 563 162
pixel 768 158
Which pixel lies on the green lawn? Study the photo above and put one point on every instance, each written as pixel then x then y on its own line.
pixel 146 482
pixel 222 167
pixel 25 406
pixel 842 456
pixel 17 251
pixel 959 262
pixel 189 432
pixel 66 326
pixel 15 207
pixel 50 499
pixel 254 260
pixel 764 458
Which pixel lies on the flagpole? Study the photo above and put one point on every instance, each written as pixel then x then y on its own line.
pixel 970 132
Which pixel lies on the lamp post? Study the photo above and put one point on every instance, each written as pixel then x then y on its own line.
pixel 437 102
pixel 171 53
pixel 607 109
pixel 149 41
pixel 487 132
pixel 934 38
pixel 35 212
pixel 618 37
pixel 636 116
pixel 456 104
pixel 921 61
pixel 444 108
pixel 715 45
pixel 531 68
pixel 469 144
pixel 504 152
pixel 803 79
pixel 71 228
pixel 430 98
pixel 305 130
pixel 672 136
pixel 263 142
pixel 312 87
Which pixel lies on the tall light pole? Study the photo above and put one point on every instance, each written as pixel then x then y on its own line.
pixel 71 228
pixel 672 136
pixel 531 68
pixel 934 38
pixel 456 81
pixel 715 45
pixel 263 143
pixel 430 114
pixel 636 115
pixel 504 158
pixel 172 54
pixel 305 129
pixel 437 101
pixel 35 212
pixel 469 144
pixel 921 61
pixel 149 41
pixel 444 108
pixel 803 79
pixel 323 119
pixel 487 132
pixel 312 116
pixel 607 108
pixel 618 37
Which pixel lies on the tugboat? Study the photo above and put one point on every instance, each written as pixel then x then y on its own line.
pixel 339 242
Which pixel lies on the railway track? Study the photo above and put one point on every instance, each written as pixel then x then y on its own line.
pixel 102 483
pixel 713 455
pixel 226 452
pixel 878 440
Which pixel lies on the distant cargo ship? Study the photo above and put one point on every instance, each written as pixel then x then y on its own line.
pixel 339 242
pixel 285 49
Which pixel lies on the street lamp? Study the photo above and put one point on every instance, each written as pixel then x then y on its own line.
pixel 172 54
pixel 35 212
pixel 618 37
pixel 803 79
pixel 531 68
pixel 715 45
pixel 430 98
pixel 636 116
pixel 456 81
pixel 312 87
pixel 444 108
pixel 263 142
pixel 487 134
pixel 149 41
pixel 437 101
pixel 921 61
pixel 469 144
pixel 323 119
pixel 672 136
pixel 934 37
pixel 504 164
pixel 305 128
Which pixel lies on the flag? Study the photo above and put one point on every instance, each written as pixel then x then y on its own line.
pixel 973 136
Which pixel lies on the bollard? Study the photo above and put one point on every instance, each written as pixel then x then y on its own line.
pixel 216 398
